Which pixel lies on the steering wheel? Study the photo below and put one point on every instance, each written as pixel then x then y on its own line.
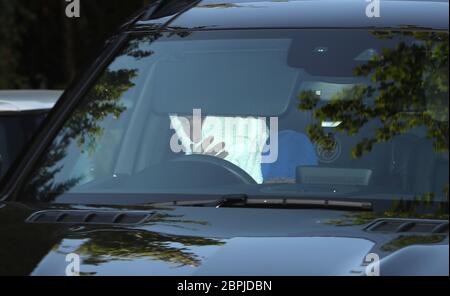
pixel 182 173
pixel 218 164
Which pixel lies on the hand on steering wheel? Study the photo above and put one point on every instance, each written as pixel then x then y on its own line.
pixel 203 147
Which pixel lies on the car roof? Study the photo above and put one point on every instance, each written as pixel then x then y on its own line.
pixel 223 14
pixel 28 100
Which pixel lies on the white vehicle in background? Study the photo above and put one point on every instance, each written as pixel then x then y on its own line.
pixel 21 112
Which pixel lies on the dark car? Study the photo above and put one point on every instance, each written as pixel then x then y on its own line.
pixel 245 138
pixel 21 113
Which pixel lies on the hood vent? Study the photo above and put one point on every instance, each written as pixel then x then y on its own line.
pixel 91 217
pixel 408 226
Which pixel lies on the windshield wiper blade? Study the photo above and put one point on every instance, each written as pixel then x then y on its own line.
pixel 293 203
pixel 242 200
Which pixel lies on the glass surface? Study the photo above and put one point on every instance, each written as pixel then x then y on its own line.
pixel 348 114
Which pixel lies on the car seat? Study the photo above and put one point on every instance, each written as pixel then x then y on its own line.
pixel 428 172
pixel 295 149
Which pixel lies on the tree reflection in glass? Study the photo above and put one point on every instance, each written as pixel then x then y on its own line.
pixel 84 128
pixel 408 89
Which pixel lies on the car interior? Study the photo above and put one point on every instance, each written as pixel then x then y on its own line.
pixel 142 161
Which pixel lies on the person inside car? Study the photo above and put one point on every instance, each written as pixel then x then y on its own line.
pixel 238 140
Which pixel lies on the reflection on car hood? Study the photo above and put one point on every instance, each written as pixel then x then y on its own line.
pixel 224 241
pixel 235 256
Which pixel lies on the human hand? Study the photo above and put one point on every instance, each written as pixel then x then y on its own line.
pixel 205 147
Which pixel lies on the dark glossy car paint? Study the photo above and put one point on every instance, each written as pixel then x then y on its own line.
pixel 227 241
pixel 210 241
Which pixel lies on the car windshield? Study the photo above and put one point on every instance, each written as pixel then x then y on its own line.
pixel 345 114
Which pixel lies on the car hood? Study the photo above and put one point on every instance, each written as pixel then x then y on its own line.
pixel 236 256
pixel 209 241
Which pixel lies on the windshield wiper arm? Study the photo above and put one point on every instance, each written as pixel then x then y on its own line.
pixel 242 200
pixel 293 203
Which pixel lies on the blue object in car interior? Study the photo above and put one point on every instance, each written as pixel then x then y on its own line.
pixel 294 149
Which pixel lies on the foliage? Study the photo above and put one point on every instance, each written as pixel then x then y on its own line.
pixel 404 241
pixel 41 48
pixel 82 128
pixel 103 247
pixel 422 207
pixel 408 88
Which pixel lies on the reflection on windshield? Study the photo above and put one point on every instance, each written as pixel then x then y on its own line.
pixel 409 89
pixel 84 129
pixel 372 120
